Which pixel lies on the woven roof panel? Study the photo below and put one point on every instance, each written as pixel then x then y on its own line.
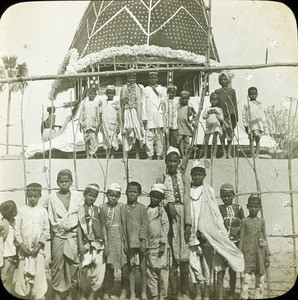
pixel 178 24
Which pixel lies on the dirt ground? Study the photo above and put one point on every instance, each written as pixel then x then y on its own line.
pixel 271 173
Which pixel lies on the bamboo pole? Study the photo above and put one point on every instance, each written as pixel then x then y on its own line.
pixel 74 148
pixel 291 189
pixel 205 69
pixel 23 147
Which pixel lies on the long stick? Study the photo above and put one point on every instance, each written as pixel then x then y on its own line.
pixel 23 147
pixel 206 69
pixel 291 188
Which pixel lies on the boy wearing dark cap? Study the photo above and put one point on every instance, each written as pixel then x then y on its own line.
pixel 31 233
pixel 254 246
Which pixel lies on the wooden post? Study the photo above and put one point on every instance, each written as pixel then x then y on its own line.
pixel 23 144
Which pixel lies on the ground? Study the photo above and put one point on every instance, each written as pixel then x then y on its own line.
pixel 271 173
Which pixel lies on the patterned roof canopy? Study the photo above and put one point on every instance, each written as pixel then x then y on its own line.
pixel 178 24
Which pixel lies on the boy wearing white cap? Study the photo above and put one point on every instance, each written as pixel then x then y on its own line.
pixel 153 113
pixel 110 121
pixel 157 249
pixel 177 203
pixel 110 217
pixel 91 242
pixel 89 122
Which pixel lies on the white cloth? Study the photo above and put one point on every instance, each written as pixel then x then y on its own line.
pixel 254 118
pixel 154 136
pixel 90 114
pixel 153 106
pixel 110 123
pixel 210 224
pixel 60 218
pixel 9 245
pixel 212 120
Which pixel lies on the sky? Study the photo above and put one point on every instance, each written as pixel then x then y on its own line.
pixel 40 33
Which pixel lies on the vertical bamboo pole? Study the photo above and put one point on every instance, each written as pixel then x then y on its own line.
pixel 23 144
pixel 291 189
pixel 74 143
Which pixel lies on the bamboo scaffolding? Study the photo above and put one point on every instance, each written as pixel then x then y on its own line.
pixel 205 69
pixel 23 138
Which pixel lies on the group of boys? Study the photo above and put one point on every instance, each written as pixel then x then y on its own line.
pixel 143 115
pixel 182 233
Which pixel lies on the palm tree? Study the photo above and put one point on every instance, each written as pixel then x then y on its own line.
pixel 13 69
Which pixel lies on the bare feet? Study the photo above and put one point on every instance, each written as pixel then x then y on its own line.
pixel 123 294
pixel 149 158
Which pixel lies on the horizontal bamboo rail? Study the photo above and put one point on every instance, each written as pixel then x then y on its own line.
pixel 162 69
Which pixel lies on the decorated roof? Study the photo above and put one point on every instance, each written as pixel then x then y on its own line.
pixel 138 31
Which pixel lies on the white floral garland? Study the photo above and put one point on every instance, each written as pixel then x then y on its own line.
pixel 77 65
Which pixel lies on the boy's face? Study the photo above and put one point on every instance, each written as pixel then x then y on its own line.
pixel 214 101
pixel 91 95
pixel 155 198
pixel 223 80
pixel 90 196
pixel 153 79
pixel 171 93
pixel 227 197
pixel 253 209
pixel 64 183
pixel 131 80
pixel 132 194
pixel 184 100
pixel 253 95
pixel 33 197
pixel 113 197
pixel 110 94
pixel 172 162
pixel 197 176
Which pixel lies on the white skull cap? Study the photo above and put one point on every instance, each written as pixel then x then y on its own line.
pixel 173 149
pixel 115 187
pixel 198 164
pixel 158 187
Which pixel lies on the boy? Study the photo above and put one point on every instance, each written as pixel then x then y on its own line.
pixel 131 114
pixel 135 223
pixel 91 240
pixel 112 225
pixel 158 251
pixel 177 204
pixel 228 105
pixel 110 122
pixel 254 120
pixel 232 215
pixel 208 234
pixel 253 243
pixel 172 111
pixel 8 210
pixel 214 117
pixel 31 233
pixel 63 206
pixel 89 122
pixel 186 113
pixel 153 107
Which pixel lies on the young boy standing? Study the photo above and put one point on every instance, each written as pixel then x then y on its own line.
pixel 186 113
pixel 8 210
pixel 110 121
pixel 228 104
pixel 214 117
pixel 172 105
pixel 232 215
pixel 31 233
pixel 89 122
pixel 158 251
pixel 112 225
pixel 177 204
pixel 254 120
pixel 253 243
pixel 91 243
pixel 135 220
pixel 153 106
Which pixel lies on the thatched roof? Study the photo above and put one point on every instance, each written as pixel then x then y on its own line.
pixel 138 31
